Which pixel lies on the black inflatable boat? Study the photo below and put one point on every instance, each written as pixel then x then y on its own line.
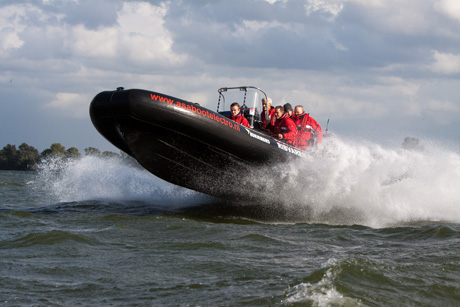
pixel 187 144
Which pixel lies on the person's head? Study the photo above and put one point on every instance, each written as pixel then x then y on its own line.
pixel 288 109
pixel 298 110
pixel 279 111
pixel 266 102
pixel 235 108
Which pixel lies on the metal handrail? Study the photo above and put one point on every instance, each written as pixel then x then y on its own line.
pixel 241 88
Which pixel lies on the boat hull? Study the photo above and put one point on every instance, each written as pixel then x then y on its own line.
pixel 184 143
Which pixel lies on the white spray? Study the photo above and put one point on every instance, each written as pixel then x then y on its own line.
pixel 361 182
pixel 110 179
pixel 343 182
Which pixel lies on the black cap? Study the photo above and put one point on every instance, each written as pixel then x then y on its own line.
pixel 288 107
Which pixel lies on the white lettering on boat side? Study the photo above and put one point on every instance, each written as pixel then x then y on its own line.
pixel 290 149
pixel 258 137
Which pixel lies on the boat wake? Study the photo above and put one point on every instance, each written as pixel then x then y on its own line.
pixel 344 182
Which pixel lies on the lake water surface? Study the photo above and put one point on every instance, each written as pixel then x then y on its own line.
pixel 356 226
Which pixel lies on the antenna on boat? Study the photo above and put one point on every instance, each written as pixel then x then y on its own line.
pixel 327 124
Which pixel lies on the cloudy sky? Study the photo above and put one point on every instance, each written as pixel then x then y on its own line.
pixel 382 69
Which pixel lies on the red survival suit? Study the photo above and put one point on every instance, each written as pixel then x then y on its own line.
pixel 286 126
pixel 240 119
pixel 268 123
pixel 309 131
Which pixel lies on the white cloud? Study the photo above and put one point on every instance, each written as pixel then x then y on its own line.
pixel 450 8
pixel 72 105
pixel 399 17
pixel 101 43
pixel 10 26
pixel 446 63
pixel 9 39
pixel 144 37
pixel 324 6
pixel 255 25
pixel 442 112
pixel 274 1
pixel 319 104
pixel 139 37
pixel 438 105
pixel 398 86
pixel 367 3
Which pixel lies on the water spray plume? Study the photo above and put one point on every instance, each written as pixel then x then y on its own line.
pixel 342 182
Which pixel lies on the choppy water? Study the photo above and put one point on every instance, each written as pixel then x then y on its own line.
pixel 356 225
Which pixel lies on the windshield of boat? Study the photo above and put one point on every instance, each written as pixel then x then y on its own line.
pixel 248 97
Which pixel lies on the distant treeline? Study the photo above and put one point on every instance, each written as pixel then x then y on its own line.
pixel 26 157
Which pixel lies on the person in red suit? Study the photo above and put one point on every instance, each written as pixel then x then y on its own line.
pixel 236 115
pixel 285 128
pixel 288 109
pixel 309 131
pixel 267 122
